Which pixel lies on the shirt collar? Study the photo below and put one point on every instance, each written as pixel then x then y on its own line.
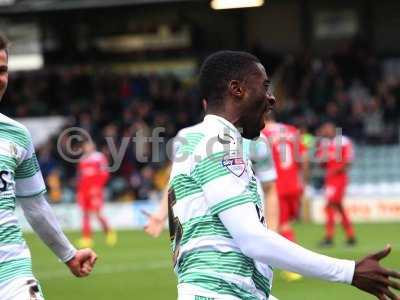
pixel 221 123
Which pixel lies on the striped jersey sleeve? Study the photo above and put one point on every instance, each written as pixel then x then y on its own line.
pixel 28 177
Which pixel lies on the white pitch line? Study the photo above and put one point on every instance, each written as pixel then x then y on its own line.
pixel 107 269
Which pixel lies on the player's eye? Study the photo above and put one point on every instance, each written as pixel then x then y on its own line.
pixel 268 88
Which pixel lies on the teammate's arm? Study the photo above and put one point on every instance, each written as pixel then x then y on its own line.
pixel 156 221
pixel 29 189
pixel 43 221
pixel 270 248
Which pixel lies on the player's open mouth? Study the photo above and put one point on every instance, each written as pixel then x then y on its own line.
pixel 268 110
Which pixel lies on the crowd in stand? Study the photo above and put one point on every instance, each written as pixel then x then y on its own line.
pixel 348 87
pixel 105 104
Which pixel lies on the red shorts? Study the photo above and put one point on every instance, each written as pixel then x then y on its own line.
pixel 289 207
pixel 91 199
pixel 334 193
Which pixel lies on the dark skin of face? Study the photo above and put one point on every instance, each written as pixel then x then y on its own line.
pixel 256 102
pixel 246 102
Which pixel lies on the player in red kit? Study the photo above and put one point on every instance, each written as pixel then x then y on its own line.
pixel 336 154
pixel 92 178
pixel 290 158
pixel 289 155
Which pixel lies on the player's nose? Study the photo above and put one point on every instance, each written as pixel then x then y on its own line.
pixel 270 99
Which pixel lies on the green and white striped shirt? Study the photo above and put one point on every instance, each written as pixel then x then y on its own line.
pixel 20 177
pixel 210 174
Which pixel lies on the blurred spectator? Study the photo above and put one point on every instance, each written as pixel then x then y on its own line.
pixel 373 122
pixel 355 124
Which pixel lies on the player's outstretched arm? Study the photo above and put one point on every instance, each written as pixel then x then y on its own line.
pixel 156 221
pixel 270 248
pixel 371 277
pixel 43 221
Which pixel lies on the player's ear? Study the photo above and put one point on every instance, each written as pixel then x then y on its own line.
pixel 235 88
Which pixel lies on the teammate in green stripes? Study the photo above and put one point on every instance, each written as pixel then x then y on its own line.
pixel 21 179
pixel 221 248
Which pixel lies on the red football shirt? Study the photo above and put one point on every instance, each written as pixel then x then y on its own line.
pixel 92 171
pixel 334 155
pixel 287 152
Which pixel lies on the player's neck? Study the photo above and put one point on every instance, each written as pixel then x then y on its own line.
pixel 228 113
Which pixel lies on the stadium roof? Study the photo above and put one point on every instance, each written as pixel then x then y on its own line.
pixel 26 6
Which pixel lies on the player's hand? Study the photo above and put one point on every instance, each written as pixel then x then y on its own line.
pixel 82 263
pixel 371 277
pixel 155 224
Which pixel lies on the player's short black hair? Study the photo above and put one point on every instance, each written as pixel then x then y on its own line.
pixel 4 43
pixel 221 67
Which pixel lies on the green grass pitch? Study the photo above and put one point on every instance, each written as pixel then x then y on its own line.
pixel 139 267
